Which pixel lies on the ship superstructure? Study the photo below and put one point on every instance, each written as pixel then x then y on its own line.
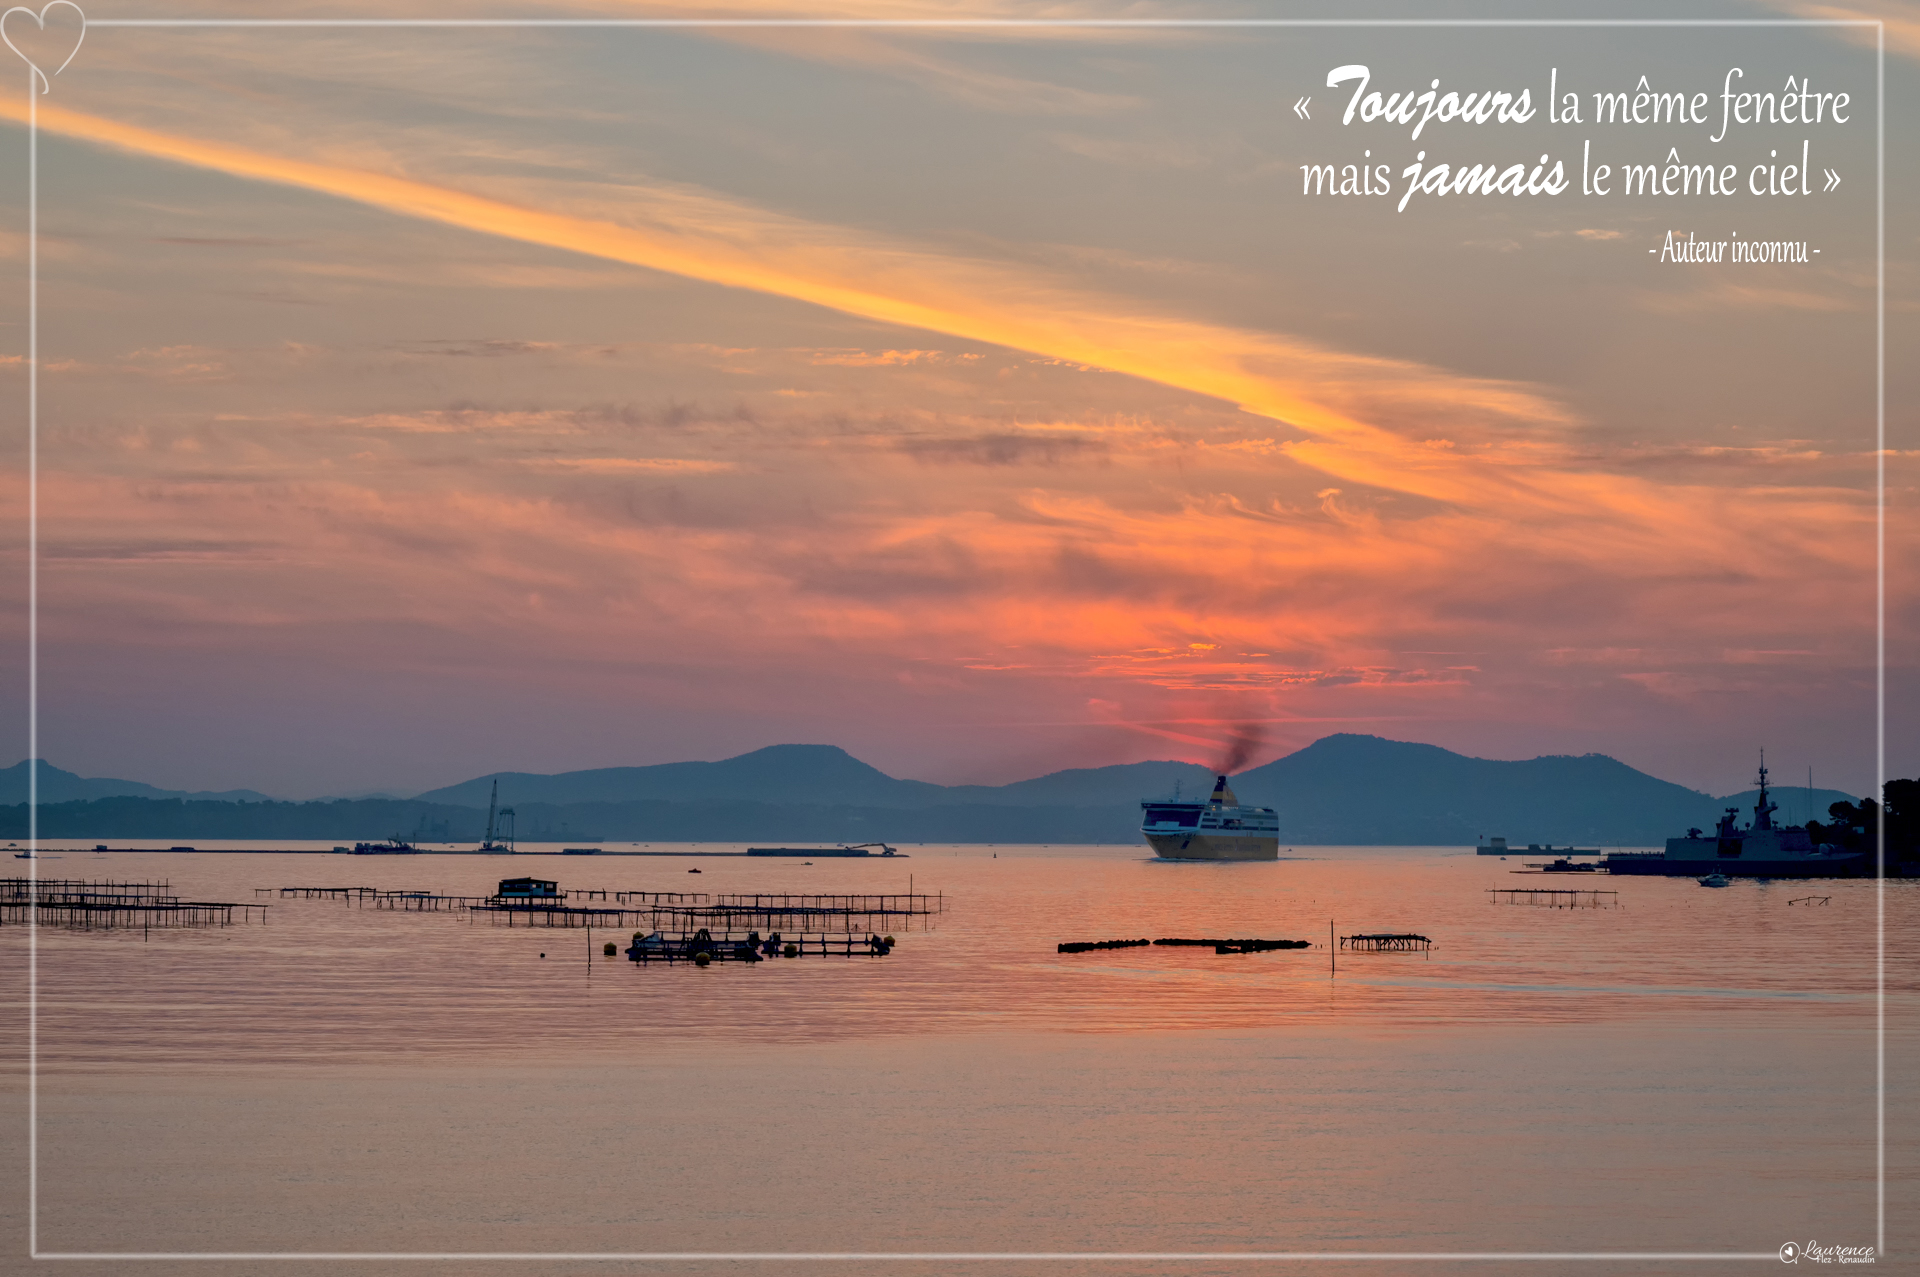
pixel 1760 849
pixel 1217 829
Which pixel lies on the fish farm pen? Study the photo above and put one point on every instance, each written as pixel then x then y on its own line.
pixel 810 913
pixel 378 897
pixel 86 906
pixel 803 913
pixel 683 923
pixel 1382 942
pixel 1555 898
pixel 320 893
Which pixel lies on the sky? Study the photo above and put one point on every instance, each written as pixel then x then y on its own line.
pixel 417 404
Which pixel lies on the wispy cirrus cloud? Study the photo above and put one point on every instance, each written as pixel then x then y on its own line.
pixel 703 236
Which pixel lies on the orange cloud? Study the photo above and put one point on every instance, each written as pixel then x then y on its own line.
pixel 701 236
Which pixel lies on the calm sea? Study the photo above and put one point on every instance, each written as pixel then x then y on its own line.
pixel 1666 1069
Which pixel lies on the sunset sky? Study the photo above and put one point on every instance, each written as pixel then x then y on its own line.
pixel 424 403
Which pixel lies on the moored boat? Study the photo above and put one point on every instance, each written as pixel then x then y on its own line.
pixel 1499 847
pixel 394 846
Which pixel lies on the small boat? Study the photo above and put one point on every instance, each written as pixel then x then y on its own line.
pixel 651 946
pixel 1714 880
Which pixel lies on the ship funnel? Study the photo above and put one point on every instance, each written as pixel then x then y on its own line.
pixel 1223 794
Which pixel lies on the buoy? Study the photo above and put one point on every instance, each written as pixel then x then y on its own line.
pixel 608 948
pixel 702 958
pixel 543 955
pixel 792 950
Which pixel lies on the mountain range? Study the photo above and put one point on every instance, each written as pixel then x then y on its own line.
pixel 1342 789
pixel 57 786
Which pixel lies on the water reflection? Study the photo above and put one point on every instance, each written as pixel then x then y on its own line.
pixel 329 980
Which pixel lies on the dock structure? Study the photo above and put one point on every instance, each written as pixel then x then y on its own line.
pixel 829 923
pixel 1387 942
pixel 1555 897
pixel 808 913
pixel 88 906
pixel 51 890
pixel 423 901
pixel 377 897
pixel 895 904
pixel 557 915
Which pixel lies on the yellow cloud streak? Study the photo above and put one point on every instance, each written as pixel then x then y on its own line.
pixel 718 243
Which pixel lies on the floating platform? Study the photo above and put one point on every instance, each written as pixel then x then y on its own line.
pixel 1218 946
pixel 731 946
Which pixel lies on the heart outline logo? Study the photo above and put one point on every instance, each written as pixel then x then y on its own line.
pixel 40 20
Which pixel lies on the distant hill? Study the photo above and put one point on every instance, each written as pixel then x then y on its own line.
pixel 58 786
pixel 810 774
pixel 1343 789
pixel 1396 792
pixel 817 775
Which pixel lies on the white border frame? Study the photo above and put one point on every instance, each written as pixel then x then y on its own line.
pixel 1880 626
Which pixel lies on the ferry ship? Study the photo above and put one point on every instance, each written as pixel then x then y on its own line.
pixel 1218 829
pixel 1760 849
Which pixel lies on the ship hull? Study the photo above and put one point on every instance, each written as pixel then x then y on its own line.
pixel 1209 846
pixel 1653 866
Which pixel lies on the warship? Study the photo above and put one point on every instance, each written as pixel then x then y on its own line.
pixel 1758 849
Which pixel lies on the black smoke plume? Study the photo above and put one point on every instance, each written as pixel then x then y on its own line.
pixel 1245 742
